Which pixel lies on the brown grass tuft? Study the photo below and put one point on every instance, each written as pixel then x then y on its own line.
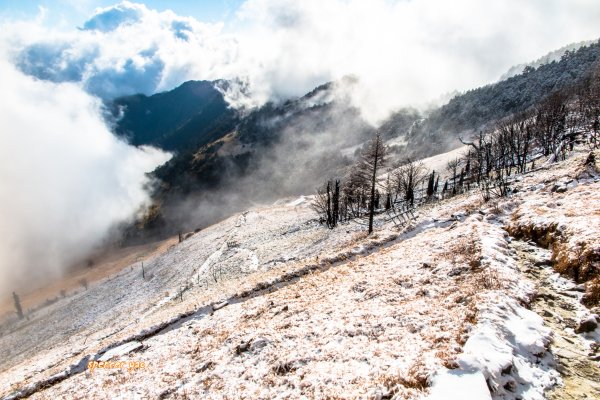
pixel 415 378
pixel 592 292
pixel 284 368
pixel 583 266
pixel 466 249
pixel 487 279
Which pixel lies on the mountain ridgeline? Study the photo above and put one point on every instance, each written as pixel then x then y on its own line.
pixel 225 161
pixel 191 115
pixel 480 108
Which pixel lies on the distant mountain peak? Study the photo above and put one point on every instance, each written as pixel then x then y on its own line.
pixel 185 117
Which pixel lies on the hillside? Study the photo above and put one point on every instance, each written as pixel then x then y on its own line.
pixel 269 303
pixel 275 151
pixel 281 149
pixel 298 200
pixel 188 116
pixel 555 55
pixel 480 108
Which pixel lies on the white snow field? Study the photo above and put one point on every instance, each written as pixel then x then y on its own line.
pixel 268 304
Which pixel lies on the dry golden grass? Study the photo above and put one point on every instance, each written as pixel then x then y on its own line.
pixel 105 264
pixel 487 279
pixel 415 378
pixel 580 262
pixel 566 223
pixel 465 249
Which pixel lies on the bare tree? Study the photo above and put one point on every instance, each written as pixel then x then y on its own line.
pixel 335 207
pixel 354 192
pixel 550 123
pixel 322 203
pixel 483 160
pixel 452 168
pixel 327 204
pixel 512 143
pixel 588 101
pixel 388 193
pixel 408 176
pixel 372 159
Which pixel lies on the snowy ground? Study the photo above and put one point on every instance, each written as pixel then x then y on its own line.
pixel 439 163
pixel 437 309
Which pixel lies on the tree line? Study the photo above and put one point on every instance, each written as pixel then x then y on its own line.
pixel 363 192
pixel 549 130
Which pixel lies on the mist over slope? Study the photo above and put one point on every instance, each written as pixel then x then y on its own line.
pixel 227 159
pixel 276 150
pixel 482 106
pixel 67 182
pixel 555 55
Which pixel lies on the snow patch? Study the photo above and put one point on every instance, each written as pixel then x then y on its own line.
pixel 212 259
pixel 120 351
pixel 507 346
pixel 297 202
pixel 459 385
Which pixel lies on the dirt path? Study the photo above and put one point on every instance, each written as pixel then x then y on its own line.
pixel 557 301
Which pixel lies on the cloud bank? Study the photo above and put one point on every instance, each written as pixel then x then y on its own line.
pixel 66 180
pixel 403 52
pixel 121 50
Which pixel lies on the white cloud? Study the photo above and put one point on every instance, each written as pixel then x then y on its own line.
pixel 405 51
pixel 66 180
pixel 111 18
pixel 120 50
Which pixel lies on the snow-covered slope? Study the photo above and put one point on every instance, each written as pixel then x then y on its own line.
pixel 269 304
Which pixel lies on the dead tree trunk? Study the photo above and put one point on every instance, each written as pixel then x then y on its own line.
pixel 373 182
pixel 18 305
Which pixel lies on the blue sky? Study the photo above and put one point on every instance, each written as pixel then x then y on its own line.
pixel 75 12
